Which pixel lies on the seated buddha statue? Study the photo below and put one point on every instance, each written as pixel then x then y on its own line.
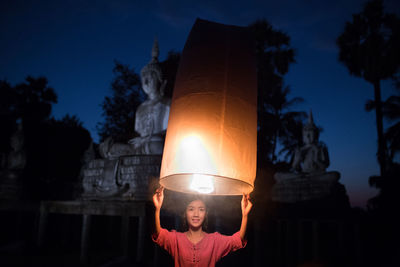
pixel 311 159
pixel 151 118
pixel 17 157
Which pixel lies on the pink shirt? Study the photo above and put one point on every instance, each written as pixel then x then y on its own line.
pixel 203 254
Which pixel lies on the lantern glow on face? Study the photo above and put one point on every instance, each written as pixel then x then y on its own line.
pixel 211 139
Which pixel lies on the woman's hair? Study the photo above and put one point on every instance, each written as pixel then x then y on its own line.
pixel 205 222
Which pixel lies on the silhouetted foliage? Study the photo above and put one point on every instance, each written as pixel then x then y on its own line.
pixel 29 102
pixel 384 205
pixel 369 47
pixel 387 199
pixel 53 147
pixel 291 137
pixel 391 111
pixel 119 108
pixel 8 115
pixel 383 209
pixel 284 125
pixel 57 157
pixel 275 122
pixel 35 100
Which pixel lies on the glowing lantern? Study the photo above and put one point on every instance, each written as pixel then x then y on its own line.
pixel 211 140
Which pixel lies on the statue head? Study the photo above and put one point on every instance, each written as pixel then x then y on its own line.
pixel 310 131
pixel 151 75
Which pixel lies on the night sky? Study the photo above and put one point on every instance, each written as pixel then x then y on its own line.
pixel 74 44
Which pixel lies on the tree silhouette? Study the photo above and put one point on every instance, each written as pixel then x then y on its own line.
pixel 119 109
pixel 63 143
pixel 53 147
pixel 54 158
pixel 284 125
pixel 29 103
pixel 34 100
pixel 369 47
pixel 391 111
pixel 383 209
pixel 274 55
pixel 8 114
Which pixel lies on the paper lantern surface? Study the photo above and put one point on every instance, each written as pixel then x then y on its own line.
pixel 211 140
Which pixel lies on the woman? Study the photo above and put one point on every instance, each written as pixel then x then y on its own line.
pixel 195 247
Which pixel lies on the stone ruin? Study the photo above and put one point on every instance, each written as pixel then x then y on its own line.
pixel 12 166
pixel 126 170
pixel 308 179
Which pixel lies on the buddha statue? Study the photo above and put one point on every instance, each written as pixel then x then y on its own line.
pixel 17 157
pixel 151 117
pixel 308 179
pixel 310 160
pixel 12 166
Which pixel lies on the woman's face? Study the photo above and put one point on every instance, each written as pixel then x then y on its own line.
pixel 196 213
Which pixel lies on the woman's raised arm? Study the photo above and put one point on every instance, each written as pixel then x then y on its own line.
pixel 158 199
pixel 246 207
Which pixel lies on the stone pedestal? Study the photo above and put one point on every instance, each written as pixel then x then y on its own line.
pixel 10 184
pixel 126 178
pixel 92 208
pixel 303 189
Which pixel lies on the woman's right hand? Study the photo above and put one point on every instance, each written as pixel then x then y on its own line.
pixel 158 198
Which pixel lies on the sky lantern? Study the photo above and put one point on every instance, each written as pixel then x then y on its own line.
pixel 211 139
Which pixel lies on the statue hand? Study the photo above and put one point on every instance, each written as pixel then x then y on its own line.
pixel 133 141
pixel 158 198
pixel 246 205
pixel 136 142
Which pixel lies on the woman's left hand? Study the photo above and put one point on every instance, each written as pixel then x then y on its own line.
pixel 246 204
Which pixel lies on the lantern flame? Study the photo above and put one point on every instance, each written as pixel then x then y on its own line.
pixel 202 184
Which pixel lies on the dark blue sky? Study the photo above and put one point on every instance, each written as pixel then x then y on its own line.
pixel 74 43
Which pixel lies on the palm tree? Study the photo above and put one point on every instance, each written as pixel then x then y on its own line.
pixel 285 125
pixel 369 47
pixel 391 112
pixel 274 55
pixel 293 138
